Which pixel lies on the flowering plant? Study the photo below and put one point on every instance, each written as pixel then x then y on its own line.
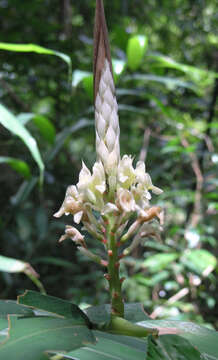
pixel 115 192
pixel 112 203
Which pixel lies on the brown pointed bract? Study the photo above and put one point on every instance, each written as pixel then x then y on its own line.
pixel 101 45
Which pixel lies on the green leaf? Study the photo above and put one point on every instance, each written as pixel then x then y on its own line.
pixel 153 280
pixel 36 49
pixel 24 191
pixel 199 260
pixel 30 337
pixel 202 338
pixel 24 118
pixel 133 312
pixel 45 127
pixel 159 262
pixel 8 307
pixel 3 329
pixel 78 76
pixel 171 347
pixel 110 347
pixel 136 48
pixel 10 122
pixel 88 86
pixel 54 306
pixel 171 83
pixel 19 166
pixel 3 323
pixel 197 75
pixel 63 135
pixel 53 261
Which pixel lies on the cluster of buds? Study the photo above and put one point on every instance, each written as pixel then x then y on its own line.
pixel 115 192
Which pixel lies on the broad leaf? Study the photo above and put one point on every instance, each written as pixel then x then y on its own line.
pixel 45 127
pixel 10 122
pixel 171 347
pixel 159 262
pixel 88 86
pixel 202 338
pixel 54 306
pixel 199 260
pixel 152 280
pixel 19 166
pixel 8 307
pixel 136 49
pixel 110 347
pixel 3 329
pixel 30 337
pixel 133 312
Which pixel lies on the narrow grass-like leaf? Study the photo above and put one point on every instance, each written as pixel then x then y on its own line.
pixel 10 122
pixel 196 74
pixel 170 82
pixel 19 166
pixel 36 49
pixel 63 135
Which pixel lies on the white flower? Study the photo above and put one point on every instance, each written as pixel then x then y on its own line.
pixel 125 200
pixel 144 179
pixel 85 178
pixel 72 203
pixel 74 234
pixel 126 172
pixel 109 207
pixel 92 186
pixel 98 178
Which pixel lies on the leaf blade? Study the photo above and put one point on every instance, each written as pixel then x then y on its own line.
pixel 9 121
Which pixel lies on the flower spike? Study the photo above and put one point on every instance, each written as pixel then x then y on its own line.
pixel 106 117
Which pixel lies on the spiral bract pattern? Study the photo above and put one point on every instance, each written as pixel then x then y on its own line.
pixel 107 122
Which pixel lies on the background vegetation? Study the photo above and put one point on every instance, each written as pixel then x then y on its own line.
pixel 167 88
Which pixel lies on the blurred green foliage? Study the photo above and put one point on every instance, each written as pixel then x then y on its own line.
pixel 165 67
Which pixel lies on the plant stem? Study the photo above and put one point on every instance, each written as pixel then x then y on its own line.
pixel 115 284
